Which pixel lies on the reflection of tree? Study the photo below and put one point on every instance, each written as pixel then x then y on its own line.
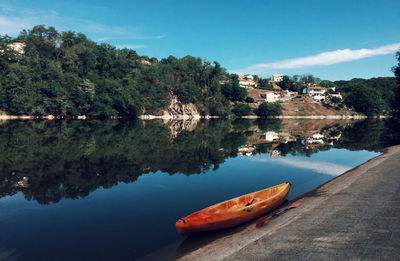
pixel 370 134
pixel 269 124
pixel 52 160
pixel 61 159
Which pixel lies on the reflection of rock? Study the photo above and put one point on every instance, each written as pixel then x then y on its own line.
pixel 176 126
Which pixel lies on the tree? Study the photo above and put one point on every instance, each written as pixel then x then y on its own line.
pixel 65 73
pixel 232 91
pixel 384 88
pixel 263 83
pixel 396 102
pixel 269 109
pixel 366 100
pixel 326 83
pixel 286 83
pixel 249 100
pixel 241 109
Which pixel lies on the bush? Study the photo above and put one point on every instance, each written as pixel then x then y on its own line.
pixel 241 109
pixel 336 100
pixel 269 109
pixel 249 100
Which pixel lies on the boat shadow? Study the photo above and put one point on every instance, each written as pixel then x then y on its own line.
pixel 199 240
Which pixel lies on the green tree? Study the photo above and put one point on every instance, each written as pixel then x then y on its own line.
pixel 365 100
pixel 241 109
pixel 396 101
pixel 249 100
pixel 232 91
pixel 286 83
pixel 269 109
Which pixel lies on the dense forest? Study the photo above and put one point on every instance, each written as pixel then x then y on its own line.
pixel 67 74
pixel 374 96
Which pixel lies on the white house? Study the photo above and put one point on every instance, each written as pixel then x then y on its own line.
pixel 18 47
pixel 316 92
pixel 247 81
pixel 249 77
pixel 270 96
pixel 276 77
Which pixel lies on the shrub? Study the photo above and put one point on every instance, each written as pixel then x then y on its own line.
pixel 249 100
pixel 241 109
pixel 269 109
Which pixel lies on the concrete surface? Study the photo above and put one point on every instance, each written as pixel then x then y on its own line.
pixel 355 216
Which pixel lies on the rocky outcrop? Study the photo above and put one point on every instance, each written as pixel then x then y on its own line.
pixel 176 110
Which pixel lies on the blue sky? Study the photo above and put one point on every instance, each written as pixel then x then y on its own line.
pixel 330 39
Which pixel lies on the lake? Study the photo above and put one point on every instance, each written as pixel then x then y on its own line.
pixel 112 190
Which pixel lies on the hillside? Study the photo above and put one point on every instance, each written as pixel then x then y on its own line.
pixel 304 106
pixel 307 106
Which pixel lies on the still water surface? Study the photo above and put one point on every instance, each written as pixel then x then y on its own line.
pixel 110 190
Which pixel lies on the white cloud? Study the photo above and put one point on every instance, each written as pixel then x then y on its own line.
pixel 323 167
pixel 14 19
pixel 323 59
pixel 12 26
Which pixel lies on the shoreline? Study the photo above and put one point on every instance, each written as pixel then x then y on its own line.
pixel 315 230
pixel 184 117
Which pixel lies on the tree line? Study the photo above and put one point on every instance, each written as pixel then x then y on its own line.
pixel 67 74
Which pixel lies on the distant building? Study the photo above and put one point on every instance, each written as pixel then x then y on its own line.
pixel 18 47
pixel 145 62
pixel 276 77
pixel 270 96
pixel 248 77
pixel 316 92
pixel 246 81
pixel 336 95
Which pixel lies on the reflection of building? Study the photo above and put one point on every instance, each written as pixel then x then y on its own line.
pixel 315 140
pixel 277 144
pixel 337 137
pixel 22 183
pixel 269 136
pixel 275 153
pixel 245 150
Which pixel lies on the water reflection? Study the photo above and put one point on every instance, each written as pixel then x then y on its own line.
pixel 51 160
pixel 111 190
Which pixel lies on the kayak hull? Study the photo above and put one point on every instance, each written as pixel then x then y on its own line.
pixel 235 211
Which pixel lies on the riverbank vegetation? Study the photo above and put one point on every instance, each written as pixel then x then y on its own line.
pixel 67 74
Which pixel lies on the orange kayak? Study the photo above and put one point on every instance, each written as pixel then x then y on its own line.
pixel 234 211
